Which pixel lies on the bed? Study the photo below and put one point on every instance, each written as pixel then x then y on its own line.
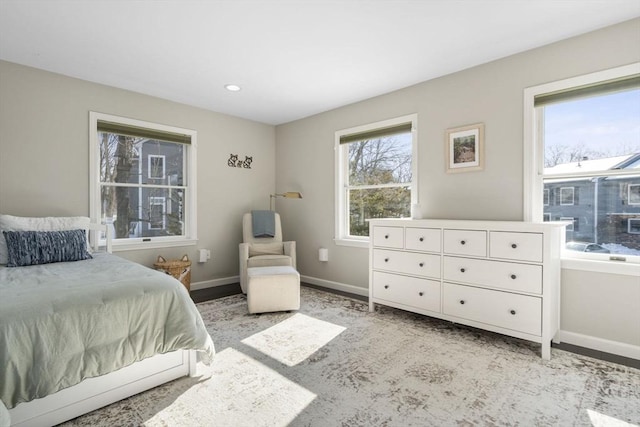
pixel 75 336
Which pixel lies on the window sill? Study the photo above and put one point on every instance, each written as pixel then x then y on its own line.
pixel 355 243
pixel 597 266
pixel 135 246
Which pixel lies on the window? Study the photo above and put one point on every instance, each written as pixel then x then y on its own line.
pixel 633 225
pixel 566 196
pixel 570 227
pixel 582 143
pixel 157 213
pixel 155 166
pixel 143 181
pixel 376 176
pixel 634 194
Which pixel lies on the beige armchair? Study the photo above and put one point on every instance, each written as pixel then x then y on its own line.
pixel 263 251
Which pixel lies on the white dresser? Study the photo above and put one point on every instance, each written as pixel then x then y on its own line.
pixel 500 276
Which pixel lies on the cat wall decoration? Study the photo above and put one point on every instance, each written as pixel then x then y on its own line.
pixel 235 162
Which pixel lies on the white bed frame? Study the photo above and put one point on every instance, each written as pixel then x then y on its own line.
pixel 94 393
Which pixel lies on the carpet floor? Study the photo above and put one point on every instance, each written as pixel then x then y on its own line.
pixel 333 363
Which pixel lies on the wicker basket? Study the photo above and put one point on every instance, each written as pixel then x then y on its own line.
pixel 178 268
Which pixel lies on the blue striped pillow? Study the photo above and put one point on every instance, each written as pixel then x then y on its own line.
pixel 44 247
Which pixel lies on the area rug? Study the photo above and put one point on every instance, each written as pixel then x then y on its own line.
pixel 333 363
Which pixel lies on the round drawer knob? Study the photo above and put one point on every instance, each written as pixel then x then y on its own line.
pixel 462 242
pixel 462 270
pixel 386 260
pixel 420 293
pixel 512 312
pixel 513 276
pixel 422 239
pixel 462 301
pixel 386 236
pixel 386 286
pixel 513 245
pixel 422 264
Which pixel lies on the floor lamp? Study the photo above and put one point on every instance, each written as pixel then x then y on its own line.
pixel 287 195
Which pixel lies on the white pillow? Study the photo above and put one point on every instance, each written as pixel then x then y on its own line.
pixel 51 223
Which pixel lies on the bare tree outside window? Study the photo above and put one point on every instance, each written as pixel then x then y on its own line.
pixel 379 180
pixel 135 175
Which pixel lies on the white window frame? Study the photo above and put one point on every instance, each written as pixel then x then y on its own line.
pixel 342 173
pixel 149 168
pixel 545 197
pixel 158 201
pixel 629 194
pixel 629 225
pixel 190 227
pixel 533 170
pixel 573 196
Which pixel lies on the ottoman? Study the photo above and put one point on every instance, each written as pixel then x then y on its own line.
pixel 273 289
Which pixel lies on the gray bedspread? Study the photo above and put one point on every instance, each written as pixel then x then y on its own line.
pixel 61 323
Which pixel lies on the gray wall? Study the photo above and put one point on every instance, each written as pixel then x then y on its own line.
pixel 44 163
pixel 44 158
pixel 493 94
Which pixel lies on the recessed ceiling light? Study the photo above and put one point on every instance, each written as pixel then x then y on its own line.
pixel 232 88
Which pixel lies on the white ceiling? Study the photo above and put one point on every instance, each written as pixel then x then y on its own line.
pixel 292 58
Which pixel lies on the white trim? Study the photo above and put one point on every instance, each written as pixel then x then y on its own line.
pixel 205 284
pixel 600 344
pixel 152 243
pixel 357 290
pixel 353 242
pixel 190 193
pixel 341 172
pixel 595 263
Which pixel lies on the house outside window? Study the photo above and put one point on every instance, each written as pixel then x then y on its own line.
pixel 376 167
pixel 582 144
pixel 143 182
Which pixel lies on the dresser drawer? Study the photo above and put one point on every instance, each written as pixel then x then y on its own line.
pixel 515 246
pixel 388 237
pixel 423 239
pixel 465 242
pixel 413 263
pixel 506 310
pixel 496 274
pixel 411 291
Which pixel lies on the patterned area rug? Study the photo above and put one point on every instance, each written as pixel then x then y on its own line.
pixel 333 363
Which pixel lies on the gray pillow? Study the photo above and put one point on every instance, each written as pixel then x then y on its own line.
pixel 44 247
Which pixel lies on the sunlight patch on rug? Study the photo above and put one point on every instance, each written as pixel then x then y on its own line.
pixel 239 391
pixel 601 420
pixel 294 339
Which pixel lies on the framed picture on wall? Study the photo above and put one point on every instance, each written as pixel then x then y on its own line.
pixel 465 148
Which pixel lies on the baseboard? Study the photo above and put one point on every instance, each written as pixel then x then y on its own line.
pixel 215 282
pixel 607 346
pixel 357 290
